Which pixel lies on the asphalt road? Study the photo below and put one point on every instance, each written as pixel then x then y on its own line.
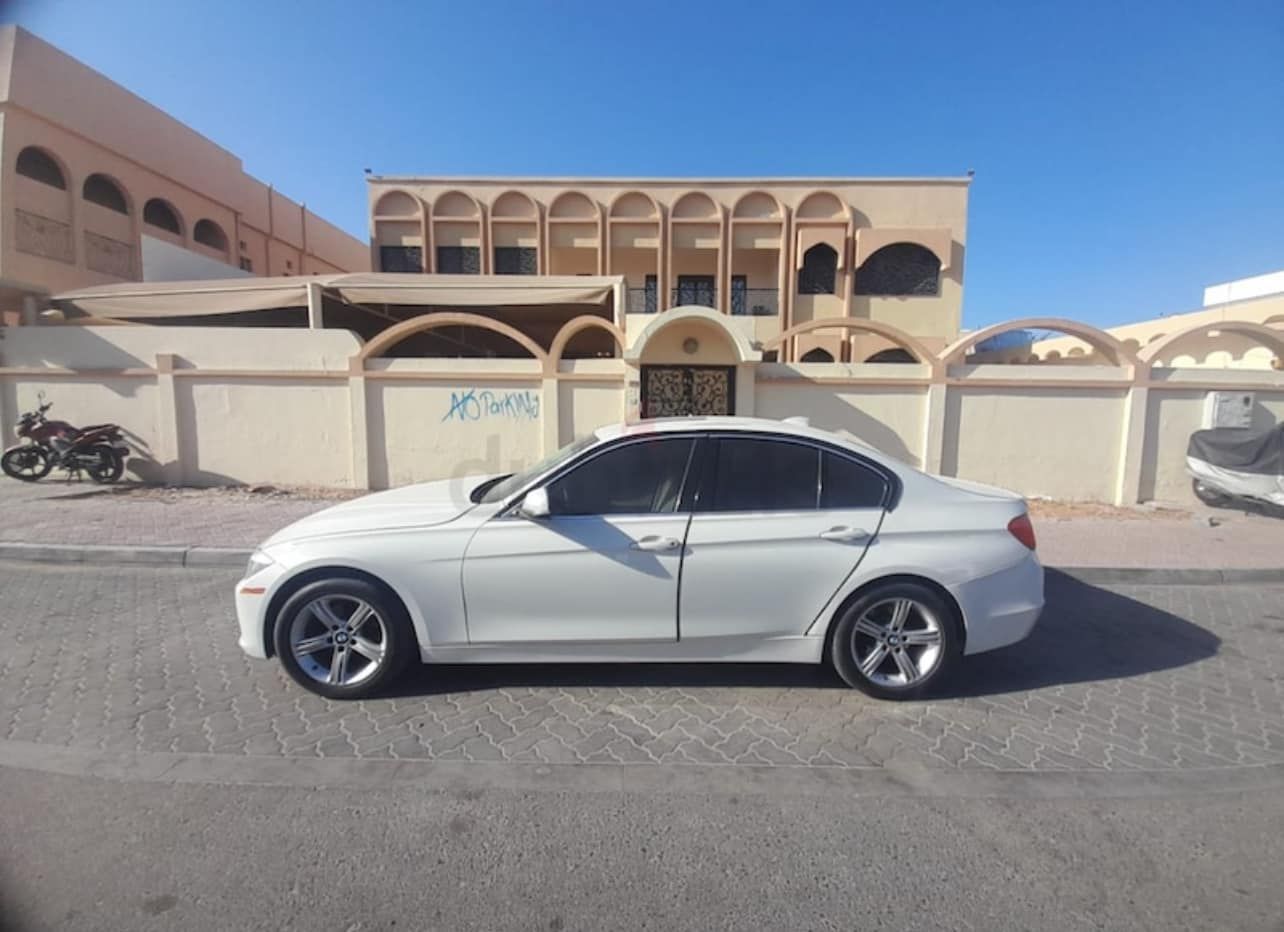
pixel 84 853
pixel 1122 769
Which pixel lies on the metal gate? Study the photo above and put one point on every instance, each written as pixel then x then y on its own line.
pixel 681 391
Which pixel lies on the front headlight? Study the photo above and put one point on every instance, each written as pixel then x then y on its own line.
pixel 259 561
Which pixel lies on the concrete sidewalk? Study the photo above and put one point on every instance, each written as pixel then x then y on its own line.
pixel 82 514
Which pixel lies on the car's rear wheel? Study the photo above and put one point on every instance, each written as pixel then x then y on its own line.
pixel 896 640
pixel 343 638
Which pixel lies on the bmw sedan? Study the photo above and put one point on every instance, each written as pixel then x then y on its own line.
pixel 667 541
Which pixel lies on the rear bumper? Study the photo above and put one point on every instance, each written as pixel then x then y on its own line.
pixel 1002 608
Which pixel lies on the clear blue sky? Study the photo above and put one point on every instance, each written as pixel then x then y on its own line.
pixel 1127 153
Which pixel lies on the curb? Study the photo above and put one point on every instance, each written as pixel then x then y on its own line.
pixel 177 555
pixel 141 556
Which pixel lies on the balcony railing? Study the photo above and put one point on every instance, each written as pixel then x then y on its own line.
pixel 745 302
pixel 641 301
pixel 755 302
pixel 702 295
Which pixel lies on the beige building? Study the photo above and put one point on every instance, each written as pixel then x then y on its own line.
pixel 773 253
pixel 1189 339
pixel 99 186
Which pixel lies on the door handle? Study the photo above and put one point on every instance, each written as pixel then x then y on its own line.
pixel 844 534
pixel 655 543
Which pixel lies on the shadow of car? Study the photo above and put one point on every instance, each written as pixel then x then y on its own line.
pixel 1087 634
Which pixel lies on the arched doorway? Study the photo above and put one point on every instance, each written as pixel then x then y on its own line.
pixel 688 359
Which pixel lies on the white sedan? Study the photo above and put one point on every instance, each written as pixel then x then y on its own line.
pixel 693 539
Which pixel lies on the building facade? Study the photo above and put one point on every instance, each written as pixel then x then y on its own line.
pixel 1258 300
pixel 99 186
pixel 772 253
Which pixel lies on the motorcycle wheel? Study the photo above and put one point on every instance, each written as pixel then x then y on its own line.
pixel 1208 495
pixel 27 463
pixel 108 467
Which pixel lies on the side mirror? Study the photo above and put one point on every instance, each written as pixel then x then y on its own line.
pixel 534 504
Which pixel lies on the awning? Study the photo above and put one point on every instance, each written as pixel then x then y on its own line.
pixel 870 240
pixel 136 300
pixel 140 300
pixel 472 290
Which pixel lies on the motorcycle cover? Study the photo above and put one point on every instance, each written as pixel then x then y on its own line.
pixel 1240 461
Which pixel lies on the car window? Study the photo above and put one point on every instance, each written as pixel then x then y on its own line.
pixel 499 489
pixel 640 477
pixel 764 475
pixel 845 483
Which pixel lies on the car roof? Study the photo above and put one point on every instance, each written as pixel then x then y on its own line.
pixel 793 427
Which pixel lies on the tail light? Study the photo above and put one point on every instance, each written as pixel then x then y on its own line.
pixel 1022 530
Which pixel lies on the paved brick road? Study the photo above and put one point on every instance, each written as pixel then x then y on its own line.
pixel 82 513
pixel 1164 678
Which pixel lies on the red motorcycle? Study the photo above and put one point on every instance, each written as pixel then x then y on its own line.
pixel 98 450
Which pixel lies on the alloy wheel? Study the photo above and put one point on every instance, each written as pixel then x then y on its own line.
pixel 897 642
pixel 339 640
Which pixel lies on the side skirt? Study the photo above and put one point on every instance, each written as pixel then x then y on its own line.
pixel 794 649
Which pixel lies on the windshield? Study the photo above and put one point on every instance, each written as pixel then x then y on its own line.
pixel 497 490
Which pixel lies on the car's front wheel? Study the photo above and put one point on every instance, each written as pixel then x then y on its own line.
pixel 343 638
pixel 896 640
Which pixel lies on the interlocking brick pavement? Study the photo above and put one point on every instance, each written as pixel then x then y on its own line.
pixel 1119 678
pixel 57 512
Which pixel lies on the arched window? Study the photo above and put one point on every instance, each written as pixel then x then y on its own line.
pixel 820 265
pixel 208 233
pixel 900 269
pixel 817 355
pixel 895 354
pixel 39 165
pixel 161 215
pixel 101 190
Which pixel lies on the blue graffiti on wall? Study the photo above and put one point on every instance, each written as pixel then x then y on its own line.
pixel 472 405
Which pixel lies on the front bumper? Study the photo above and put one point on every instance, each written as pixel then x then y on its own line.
pixel 253 594
pixel 1001 609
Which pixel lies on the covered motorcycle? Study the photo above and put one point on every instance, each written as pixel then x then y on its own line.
pixel 1234 462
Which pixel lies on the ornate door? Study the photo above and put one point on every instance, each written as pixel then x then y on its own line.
pixel 682 391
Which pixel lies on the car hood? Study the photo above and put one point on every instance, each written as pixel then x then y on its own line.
pixel 421 505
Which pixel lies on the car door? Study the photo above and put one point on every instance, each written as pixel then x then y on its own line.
pixel 778 526
pixel 602 566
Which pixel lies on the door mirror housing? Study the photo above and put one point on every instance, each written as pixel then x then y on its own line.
pixel 534 504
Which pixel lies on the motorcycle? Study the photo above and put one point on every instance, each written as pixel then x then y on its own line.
pixel 1230 464
pixel 98 449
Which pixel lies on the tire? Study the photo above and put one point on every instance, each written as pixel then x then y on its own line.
pixel 28 463
pixel 1208 495
pixel 314 638
pixel 869 624
pixel 110 465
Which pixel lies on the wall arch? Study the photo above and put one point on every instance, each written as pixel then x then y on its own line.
pixel 634 205
pixel 757 205
pixel 41 165
pixel 399 204
pixel 695 205
pixel 1266 336
pixel 577 325
pixel 425 322
pixel 456 205
pixel 106 191
pixel 902 339
pixel 821 205
pixel 744 352
pixel 163 215
pixel 1107 344
pixel 573 205
pixel 208 233
pixel 514 205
